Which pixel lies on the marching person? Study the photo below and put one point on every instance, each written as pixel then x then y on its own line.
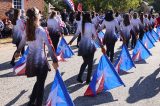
pixel 54 29
pixel 126 29
pixel 78 22
pixel 110 37
pixel 150 24
pixel 146 22
pixel 95 19
pixel 36 63
pixel 118 17
pixel 86 46
pixel 135 21
pixel 141 26
pixel 18 32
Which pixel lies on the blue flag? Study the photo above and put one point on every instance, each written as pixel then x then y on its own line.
pixel 155 35
pixel 140 52
pixel 101 36
pixel 96 43
pixel 104 31
pixel 59 95
pixel 147 42
pixel 151 37
pixel 64 49
pixel 105 78
pixel 20 66
pixel 124 62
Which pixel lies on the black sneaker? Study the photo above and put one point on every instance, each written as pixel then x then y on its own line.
pixel 12 63
pixel 88 81
pixel 79 80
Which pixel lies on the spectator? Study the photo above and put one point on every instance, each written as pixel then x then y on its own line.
pixel 158 20
pixel 64 16
pixel 1 28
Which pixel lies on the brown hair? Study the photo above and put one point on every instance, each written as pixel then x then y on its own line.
pixel 53 14
pixel 32 17
pixel 15 16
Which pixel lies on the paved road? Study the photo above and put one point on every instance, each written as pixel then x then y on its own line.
pixel 142 83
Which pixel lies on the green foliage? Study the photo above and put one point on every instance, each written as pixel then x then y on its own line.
pixel 156 5
pixel 99 5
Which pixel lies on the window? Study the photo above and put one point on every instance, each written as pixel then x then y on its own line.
pixel 17 4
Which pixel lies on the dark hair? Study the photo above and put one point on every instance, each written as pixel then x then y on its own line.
pixel 15 16
pixel 135 15
pixel 32 17
pixel 109 15
pixel 145 15
pixel 117 13
pixel 78 16
pixel 53 14
pixel 149 16
pixel 93 14
pixel 86 19
pixel 126 20
pixel 141 17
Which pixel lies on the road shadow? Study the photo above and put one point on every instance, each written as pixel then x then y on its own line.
pixel 124 73
pixel 12 102
pixel 4 43
pixel 97 100
pixel 144 88
pixel 7 75
pixel 73 47
pixel 141 62
pixel 5 66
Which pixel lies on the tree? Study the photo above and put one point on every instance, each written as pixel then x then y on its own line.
pixel 99 5
pixel 156 5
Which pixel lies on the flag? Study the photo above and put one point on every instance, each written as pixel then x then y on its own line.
pixel 96 43
pixel 155 29
pixel 147 42
pixel 79 8
pixel 140 52
pixel 59 95
pixel 70 4
pixel 124 62
pixel 105 78
pixel 64 49
pixel 104 31
pixel 101 36
pixel 20 66
pixel 155 35
pixel 151 37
